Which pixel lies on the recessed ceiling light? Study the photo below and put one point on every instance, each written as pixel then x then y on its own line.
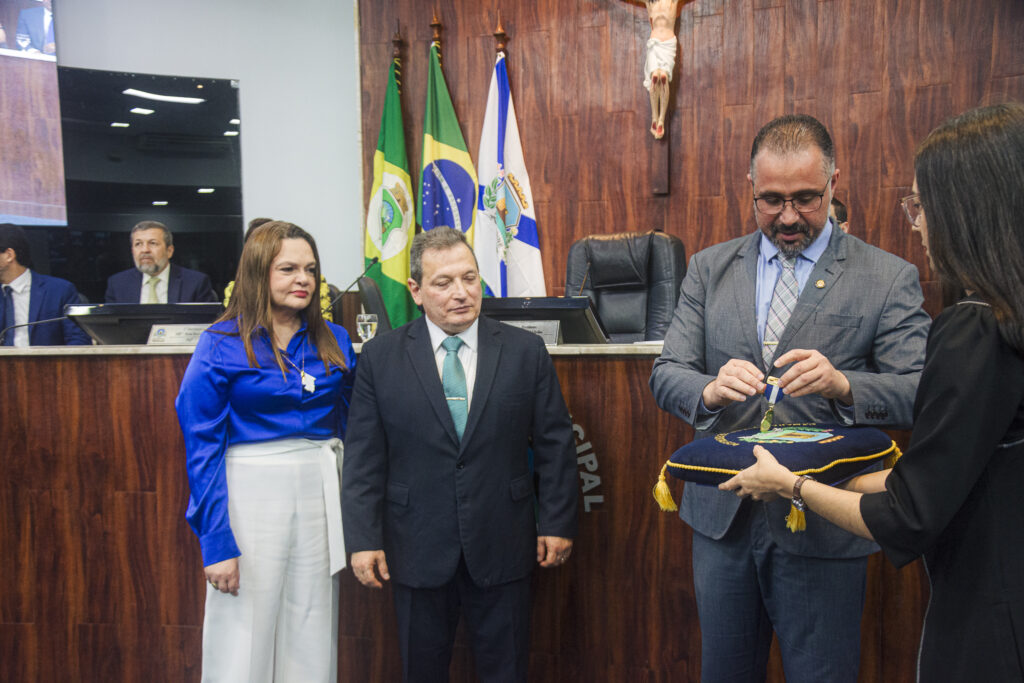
pixel 205 190
pixel 159 203
pixel 162 98
pixel 230 133
pixel 141 110
pixel 234 122
pixel 118 124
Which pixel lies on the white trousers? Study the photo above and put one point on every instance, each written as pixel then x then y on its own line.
pixel 282 627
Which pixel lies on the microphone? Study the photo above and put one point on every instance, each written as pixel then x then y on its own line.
pixel 374 261
pixel 3 333
pixel 583 284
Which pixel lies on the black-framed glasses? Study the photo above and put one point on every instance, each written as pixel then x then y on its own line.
pixel 912 208
pixel 803 202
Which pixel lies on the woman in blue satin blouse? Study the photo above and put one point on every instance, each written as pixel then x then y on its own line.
pixel 263 406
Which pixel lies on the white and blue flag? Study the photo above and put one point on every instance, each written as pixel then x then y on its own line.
pixel 506 242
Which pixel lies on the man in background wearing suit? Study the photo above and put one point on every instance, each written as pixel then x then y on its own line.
pixel 28 296
pixel 35 29
pixel 164 283
pixel 840 323
pixel 437 487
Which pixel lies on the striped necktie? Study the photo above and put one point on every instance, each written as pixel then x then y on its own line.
pixel 783 302
pixel 453 378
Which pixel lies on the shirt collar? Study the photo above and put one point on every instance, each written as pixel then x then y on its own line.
pixel 164 275
pixel 23 283
pixel 811 253
pixel 437 335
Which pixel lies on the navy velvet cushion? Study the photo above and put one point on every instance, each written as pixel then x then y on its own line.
pixel 829 453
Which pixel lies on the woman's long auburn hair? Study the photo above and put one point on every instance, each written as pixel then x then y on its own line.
pixel 250 304
pixel 970 176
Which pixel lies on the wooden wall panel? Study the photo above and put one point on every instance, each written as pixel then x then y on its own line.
pixel 879 73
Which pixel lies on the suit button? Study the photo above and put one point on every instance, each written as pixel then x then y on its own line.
pixel 460 465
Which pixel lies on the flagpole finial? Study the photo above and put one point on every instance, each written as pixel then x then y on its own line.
pixel 500 37
pixel 435 24
pixel 396 42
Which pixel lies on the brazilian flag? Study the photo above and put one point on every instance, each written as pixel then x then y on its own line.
pixel 389 218
pixel 448 178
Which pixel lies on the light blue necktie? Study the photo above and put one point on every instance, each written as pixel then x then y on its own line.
pixel 787 290
pixel 453 378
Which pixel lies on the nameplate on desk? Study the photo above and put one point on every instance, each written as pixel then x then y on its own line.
pixel 547 329
pixel 176 335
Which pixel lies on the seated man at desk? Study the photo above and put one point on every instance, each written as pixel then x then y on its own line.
pixel 154 279
pixel 30 297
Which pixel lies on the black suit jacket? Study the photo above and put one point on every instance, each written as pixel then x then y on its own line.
pixel 183 286
pixel 410 488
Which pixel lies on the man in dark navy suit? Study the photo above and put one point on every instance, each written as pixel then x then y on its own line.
pixel 438 489
pixel 28 296
pixel 154 279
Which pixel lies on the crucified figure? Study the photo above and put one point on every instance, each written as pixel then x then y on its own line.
pixel 661 59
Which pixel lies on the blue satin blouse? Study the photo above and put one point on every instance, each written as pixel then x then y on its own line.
pixel 223 401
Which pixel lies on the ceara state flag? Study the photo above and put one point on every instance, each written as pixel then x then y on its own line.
pixel 389 217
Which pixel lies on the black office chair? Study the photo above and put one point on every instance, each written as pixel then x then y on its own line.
pixel 373 302
pixel 633 279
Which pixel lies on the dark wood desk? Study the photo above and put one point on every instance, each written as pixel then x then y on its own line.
pixel 101 576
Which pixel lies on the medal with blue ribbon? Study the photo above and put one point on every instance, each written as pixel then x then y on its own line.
pixel 773 393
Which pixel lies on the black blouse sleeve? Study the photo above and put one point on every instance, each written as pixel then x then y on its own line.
pixel 970 392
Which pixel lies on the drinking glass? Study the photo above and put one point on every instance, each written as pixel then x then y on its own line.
pixel 366 326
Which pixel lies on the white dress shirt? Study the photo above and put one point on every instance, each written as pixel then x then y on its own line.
pixel 21 289
pixel 467 353
pixel 162 280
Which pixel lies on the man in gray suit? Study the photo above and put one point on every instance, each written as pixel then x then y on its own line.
pixel 840 323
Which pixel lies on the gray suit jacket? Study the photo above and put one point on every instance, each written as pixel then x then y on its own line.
pixel 866 319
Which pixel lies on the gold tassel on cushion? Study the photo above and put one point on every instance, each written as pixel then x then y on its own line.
pixel 890 460
pixel 796 520
pixel 663 494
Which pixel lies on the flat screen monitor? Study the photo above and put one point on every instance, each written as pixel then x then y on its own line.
pixel 130 323
pixel 578 321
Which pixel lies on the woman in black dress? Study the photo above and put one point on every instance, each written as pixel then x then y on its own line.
pixel 955 496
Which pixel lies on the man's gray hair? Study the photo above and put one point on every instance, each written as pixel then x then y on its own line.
pixel 151 225
pixel 441 237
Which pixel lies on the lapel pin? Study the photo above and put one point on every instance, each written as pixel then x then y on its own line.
pixel 820 284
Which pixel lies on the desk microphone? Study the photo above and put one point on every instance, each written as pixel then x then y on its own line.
pixel 374 261
pixel 3 333
pixel 583 284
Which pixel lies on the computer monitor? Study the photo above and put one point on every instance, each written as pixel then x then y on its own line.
pixel 130 323
pixel 578 321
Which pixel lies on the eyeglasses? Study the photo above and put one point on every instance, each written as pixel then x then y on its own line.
pixel 803 202
pixel 912 208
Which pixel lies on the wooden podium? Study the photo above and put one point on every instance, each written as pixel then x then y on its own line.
pixel 102 577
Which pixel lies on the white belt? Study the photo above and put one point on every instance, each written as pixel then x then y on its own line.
pixel 329 454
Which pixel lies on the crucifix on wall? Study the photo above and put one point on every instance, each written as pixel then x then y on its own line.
pixel 660 57
pixel 659 63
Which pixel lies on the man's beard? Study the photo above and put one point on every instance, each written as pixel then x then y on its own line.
pixel 150 269
pixel 791 249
